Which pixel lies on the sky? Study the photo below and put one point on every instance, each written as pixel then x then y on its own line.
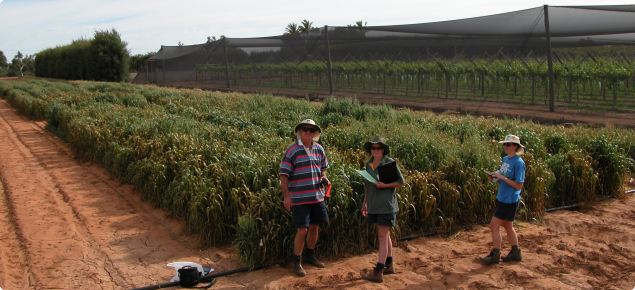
pixel 30 26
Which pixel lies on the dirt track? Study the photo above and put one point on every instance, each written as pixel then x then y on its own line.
pixel 69 225
pixel 538 113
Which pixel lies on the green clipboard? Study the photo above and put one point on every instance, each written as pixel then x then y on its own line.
pixel 366 175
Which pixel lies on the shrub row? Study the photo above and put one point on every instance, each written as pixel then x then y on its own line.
pixel 103 58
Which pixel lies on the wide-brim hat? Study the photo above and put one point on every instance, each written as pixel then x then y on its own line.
pixel 515 140
pixel 310 122
pixel 307 122
pixel 377 140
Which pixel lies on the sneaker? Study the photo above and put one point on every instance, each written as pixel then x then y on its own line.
pixel 514 255
pixel 493 257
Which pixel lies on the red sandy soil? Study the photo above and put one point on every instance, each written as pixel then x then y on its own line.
pixel 70 225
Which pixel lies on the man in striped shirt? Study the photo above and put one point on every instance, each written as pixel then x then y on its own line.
pixel 303 178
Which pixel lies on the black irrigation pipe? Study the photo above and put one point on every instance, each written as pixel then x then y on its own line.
pixel 160 286
pixel 577 206
pixel 408 238
pixel 206 278
pixel 569 207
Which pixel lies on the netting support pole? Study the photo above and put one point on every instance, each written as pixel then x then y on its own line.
pixel 328 59
pixel 226 61
pixel 146 61
pixel 164 72
pixel 552 91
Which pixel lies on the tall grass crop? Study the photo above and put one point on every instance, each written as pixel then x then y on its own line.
pixel 212 159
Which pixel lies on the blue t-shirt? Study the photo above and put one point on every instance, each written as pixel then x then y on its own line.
pixel 514 169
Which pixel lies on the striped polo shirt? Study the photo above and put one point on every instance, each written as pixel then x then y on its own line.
pixel 305 172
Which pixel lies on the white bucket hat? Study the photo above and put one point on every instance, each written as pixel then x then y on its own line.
pixel 515 140
pixel 310 122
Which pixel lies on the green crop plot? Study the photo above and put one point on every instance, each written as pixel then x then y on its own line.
pixel 212 159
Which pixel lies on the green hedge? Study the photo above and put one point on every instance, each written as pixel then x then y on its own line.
pixel 103 58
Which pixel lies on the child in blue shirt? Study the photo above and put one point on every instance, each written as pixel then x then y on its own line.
pixel 510 177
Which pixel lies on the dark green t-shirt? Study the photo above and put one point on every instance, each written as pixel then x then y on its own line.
pixel 384 200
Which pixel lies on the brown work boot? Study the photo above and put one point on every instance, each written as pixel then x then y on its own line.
pixel 493 257
pixel 297 266
pixel 311 259
pixel 390 268
pixel 514 255
pixel 374 276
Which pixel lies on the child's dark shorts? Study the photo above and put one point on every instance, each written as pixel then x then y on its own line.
pixel 506 211
pixel 309 214
pixel 386 219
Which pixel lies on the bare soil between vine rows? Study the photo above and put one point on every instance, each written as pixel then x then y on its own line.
pixel 65 224
pixel 538 113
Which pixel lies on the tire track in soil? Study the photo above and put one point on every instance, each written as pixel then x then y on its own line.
pixel 12 253
pixel 55 242
pixel 81 229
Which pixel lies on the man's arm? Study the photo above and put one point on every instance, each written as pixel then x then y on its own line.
pixel 284 183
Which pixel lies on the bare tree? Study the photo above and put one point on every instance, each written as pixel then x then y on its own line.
pixel 21 65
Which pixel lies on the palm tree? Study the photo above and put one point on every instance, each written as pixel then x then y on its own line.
pixel 358 24
pixel 291 28
pixel 305 26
